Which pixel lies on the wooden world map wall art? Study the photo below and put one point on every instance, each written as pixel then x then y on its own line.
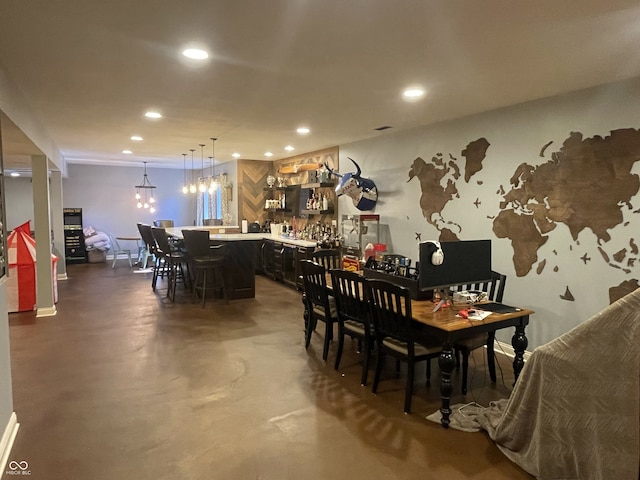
pixel 586 184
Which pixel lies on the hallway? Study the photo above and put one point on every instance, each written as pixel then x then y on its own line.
pixel 123 384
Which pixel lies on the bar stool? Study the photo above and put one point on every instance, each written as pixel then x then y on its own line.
pixel 173 261
pixel 207 263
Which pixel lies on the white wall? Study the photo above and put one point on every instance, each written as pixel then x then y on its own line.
pixel 516 135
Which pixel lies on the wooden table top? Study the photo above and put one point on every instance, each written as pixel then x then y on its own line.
pixel 446 319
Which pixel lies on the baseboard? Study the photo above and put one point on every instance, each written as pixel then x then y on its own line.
pixel 62 276
pixel 6 443
pixel 46 312
pixel 509 351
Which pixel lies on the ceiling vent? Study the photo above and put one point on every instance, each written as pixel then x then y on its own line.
pixel 382 128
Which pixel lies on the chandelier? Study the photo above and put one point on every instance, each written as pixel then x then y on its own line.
pixel 144 192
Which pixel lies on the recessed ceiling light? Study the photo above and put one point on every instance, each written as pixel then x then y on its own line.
pixel 153 115
pixel 128 152
pixel 15 174
pixel 195 53
pixel 413 93
pixel 303 130
pixel 235 155
pixel 268 154
pixel 136 138
pixel 289 148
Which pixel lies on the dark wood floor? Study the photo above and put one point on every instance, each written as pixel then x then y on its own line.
pixel 123 384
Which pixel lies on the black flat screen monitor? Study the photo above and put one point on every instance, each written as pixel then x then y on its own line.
pixel 465 262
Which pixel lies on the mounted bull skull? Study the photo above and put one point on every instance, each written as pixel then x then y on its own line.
pixel 362 191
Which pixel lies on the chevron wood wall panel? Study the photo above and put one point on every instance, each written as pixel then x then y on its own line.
pixel 252 178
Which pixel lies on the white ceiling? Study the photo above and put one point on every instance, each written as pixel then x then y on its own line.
pixel 90 68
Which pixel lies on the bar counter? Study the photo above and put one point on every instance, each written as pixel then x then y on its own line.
pixel 242 255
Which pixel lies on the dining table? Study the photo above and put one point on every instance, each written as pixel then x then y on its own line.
pixel 449 327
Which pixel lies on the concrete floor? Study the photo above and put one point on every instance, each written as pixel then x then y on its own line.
pixel 123 384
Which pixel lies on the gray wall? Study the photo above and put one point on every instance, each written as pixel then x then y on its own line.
pixel 106 196
pixel 516 134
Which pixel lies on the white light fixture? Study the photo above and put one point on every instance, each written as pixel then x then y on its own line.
pixel 127 152
pixel 268 154
pixel 303 130
pixel 15 174
pixel 289 148
pixel 413 93
pixel 144 192
pixel 153 115
pixel 195 54
pixel 136 138
pixel 235 155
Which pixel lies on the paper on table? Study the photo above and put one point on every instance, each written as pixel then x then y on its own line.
pixel 478 314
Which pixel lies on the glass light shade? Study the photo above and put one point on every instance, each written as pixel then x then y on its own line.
pixel 145 205
pixel 185 189
pixel 139 205
pixel 137 196
pixel 192 188
pixel 152 200
pixel 202 187
pixel 152 210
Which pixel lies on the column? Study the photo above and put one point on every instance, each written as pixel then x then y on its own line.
pixel 57 222
pixel 42 225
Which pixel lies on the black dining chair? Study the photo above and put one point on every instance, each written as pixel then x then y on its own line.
pixel 353 315
pixel 494 289
pixel 390 307
pixel 173 261
pixel 207 264
pixel 319 305
pixel 328 258
pixel 151 250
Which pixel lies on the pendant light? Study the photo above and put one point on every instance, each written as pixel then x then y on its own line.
pixel 213 185
pixel 211 176
pixel 185 186
pixel 144 192
pixel 202 186
pixel 192 186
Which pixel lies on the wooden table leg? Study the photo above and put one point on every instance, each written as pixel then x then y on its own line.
pixel 519 342
pixel 447 364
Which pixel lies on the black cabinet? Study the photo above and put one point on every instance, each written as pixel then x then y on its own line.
pixel 302 253
pixel 278 265
pixel 281 261
pixel 74 247
pixel 267 258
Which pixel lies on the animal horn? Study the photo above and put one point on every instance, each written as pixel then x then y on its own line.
pixel 331 171
pixel 357 174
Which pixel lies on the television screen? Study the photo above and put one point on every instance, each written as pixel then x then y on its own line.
pixel 465 262
pixel 73 220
